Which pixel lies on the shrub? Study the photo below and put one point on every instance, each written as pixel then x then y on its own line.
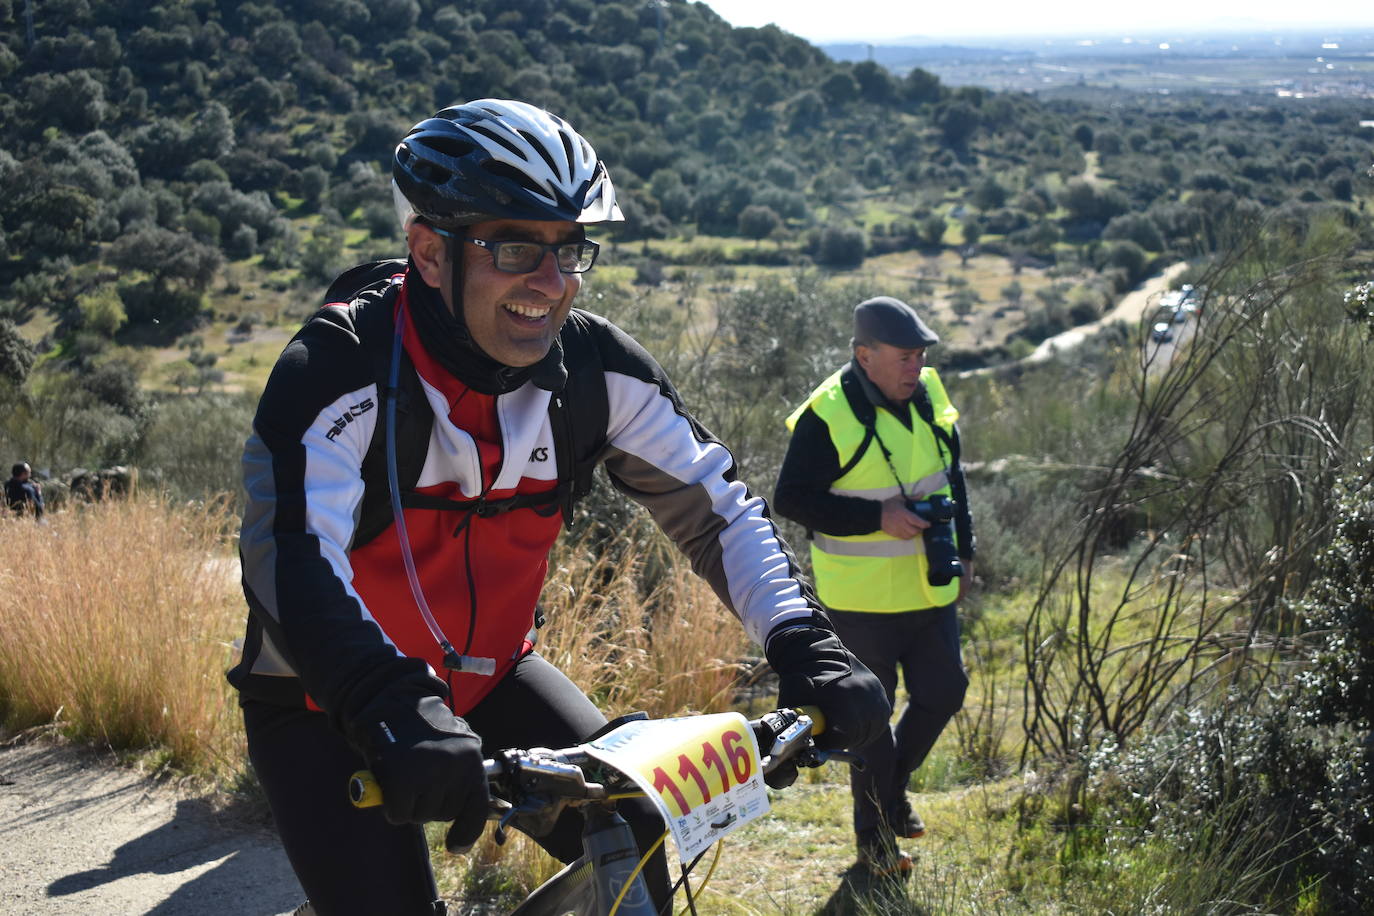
pixel 102 311
pixel 197 441
pixel 841 246
pixel 1291 763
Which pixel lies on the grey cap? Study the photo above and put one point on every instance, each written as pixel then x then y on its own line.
pixel 893 322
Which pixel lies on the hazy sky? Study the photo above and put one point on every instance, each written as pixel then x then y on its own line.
pixel 883 20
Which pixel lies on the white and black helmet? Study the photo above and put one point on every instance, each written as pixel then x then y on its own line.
pixel 499 159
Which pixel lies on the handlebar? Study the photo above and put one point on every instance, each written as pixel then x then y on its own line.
pixel 561 777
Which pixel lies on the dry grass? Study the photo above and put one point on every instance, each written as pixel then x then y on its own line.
pixel 637 630
pixel 118 622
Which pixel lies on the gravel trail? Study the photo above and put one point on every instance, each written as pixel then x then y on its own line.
pixel 80 834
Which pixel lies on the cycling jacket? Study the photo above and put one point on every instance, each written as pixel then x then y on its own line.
pixel 332 627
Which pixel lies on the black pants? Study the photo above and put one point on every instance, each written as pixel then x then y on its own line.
pixel 352 861
pixel 925 644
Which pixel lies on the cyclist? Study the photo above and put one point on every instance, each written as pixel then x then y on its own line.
pixel 350 655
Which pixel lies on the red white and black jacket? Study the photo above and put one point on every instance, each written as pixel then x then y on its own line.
pixel 332 627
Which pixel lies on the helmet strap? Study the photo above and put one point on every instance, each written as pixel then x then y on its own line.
pixel 454 239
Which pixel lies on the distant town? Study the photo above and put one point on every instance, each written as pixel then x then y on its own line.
pixel 1290 65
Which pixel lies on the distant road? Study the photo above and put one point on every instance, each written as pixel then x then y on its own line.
pixel 1131 309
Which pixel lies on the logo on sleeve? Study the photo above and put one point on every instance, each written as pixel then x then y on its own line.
pixel 348 416
pixel 540 454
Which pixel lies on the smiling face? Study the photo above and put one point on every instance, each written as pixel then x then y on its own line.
pixel 514 318
pixel 894 370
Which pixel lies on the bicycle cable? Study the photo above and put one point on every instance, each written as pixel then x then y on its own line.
pixel 629 882
pixel 687 888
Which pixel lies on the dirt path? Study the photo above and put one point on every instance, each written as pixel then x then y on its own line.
pixel 81 835
pixel 1131 309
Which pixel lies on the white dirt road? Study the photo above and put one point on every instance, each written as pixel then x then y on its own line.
pixel 1131 309
pixel 81 835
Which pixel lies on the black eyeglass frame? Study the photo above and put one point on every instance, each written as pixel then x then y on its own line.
pixel 581 248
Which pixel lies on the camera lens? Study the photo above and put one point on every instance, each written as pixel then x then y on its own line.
pixel 942 557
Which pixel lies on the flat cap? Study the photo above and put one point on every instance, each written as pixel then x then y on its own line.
pixel 893 322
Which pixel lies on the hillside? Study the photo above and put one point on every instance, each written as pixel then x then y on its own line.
pixel 1168 636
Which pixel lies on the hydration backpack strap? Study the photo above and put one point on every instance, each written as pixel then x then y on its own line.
pixel 579 415
pixel 414 418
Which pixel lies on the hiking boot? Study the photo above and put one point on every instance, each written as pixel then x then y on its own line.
pixel 908 824
pixel 881 864
pixel 880 857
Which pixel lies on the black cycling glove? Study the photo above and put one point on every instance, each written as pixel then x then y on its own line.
pixel 815 669
pixel 428 763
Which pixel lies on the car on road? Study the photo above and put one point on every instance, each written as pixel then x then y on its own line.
pixel 1177 305
pixel 1163 332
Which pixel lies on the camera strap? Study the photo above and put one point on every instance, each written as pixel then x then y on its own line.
pixel 887 456
pixel 943 440
pixel 927 413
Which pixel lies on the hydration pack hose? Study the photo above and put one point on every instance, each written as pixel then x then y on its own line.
pixel 464 664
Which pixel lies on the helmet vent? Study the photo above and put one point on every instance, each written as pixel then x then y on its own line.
pixel 495 136
pixel 513 175
pixel 457 147
pixel 543 152
pixel 568 155
pixel 428 171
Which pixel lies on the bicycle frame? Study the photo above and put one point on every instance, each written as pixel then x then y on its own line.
pixel 591 885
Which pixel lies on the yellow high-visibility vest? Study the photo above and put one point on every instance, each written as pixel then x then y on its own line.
pixel 877 572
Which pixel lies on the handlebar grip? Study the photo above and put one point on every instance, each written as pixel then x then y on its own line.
pixel 817 718
pixel 364 790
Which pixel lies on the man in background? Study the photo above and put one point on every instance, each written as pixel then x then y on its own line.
pixel 872 471
pixel 23 494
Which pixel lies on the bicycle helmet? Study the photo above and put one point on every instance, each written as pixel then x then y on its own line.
pixel 499 159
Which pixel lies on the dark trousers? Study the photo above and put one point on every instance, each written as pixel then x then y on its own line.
pixel 352 861
pixel 925 644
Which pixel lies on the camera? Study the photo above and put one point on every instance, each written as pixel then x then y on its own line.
pixel 942 557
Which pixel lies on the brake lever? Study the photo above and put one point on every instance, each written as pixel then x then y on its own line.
pixel 820 756
pixel 499 832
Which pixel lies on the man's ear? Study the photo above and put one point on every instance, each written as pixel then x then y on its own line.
pixel 429 251
pixel 863 354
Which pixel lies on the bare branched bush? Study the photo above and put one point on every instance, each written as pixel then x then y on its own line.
pixel 1237 434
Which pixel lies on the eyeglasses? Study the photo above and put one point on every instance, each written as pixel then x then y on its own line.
pixel 524 257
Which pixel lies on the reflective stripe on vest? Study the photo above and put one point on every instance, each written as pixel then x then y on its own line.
pixel 877 572
pixel 849 547
pixel 918 490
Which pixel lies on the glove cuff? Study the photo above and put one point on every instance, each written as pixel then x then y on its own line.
pixel 815 621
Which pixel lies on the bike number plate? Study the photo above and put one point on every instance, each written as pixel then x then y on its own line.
pixel 702 772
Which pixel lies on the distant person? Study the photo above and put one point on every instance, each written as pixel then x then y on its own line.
pixel 872 471
pixel 406 645
pixel 23 494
